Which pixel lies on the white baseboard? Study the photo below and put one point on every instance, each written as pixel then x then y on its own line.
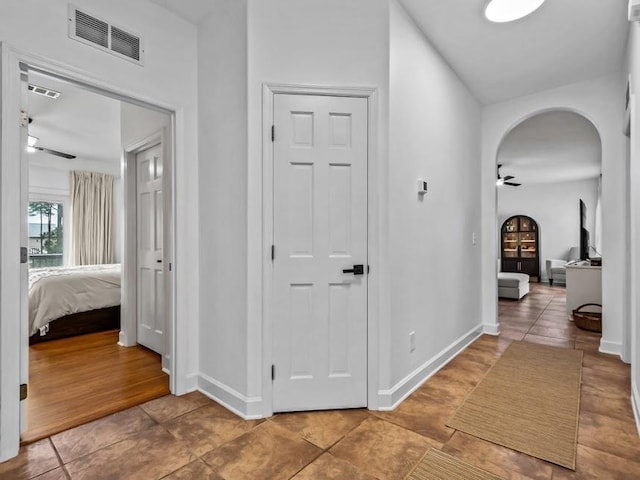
pixel 390 399
pixel 491 328
pixel 123 341
pixel 635 404
pixel 612 348
pixel 192 382
pixel 248 408
pixel 166 364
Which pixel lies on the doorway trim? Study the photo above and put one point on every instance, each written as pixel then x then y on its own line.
pixel 374 192
pixel 129 314
pixel 12 60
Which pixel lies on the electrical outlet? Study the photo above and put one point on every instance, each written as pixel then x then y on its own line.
pixel 473 238
pixel 412 341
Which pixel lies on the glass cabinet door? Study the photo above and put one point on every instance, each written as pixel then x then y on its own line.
pixel 528 244
pixel 511 225
pixel 526 225
pixel 510 244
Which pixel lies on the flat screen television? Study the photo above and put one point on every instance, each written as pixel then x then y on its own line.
pixel 584 244
pixel 584 233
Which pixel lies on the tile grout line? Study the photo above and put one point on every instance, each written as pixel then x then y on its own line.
pixel 553 295
pixel 62 464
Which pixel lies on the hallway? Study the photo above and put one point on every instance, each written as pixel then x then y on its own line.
pixel 193 437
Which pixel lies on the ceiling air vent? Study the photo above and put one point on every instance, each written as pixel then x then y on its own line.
pixel 45 92
pixel 125 44
pixel 105 36
pixel 91 29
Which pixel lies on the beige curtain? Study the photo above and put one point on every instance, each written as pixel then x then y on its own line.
pixel 92 239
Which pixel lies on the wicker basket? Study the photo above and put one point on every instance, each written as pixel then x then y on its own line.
pixel 591 321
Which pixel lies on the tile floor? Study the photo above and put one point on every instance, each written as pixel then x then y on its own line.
pixel 191 437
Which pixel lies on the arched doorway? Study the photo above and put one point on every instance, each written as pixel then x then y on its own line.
pixel 553 160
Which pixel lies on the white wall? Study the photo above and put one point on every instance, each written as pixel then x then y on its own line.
pixel 138 123
pixel 601 101
pixel 434 133
pixel 633 326
pixel 241 46
pixel 222 57
pixel 555 208
pixel 330 43
pixel 47 180
pixel 168 78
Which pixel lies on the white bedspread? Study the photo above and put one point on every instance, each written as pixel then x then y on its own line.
pixel 58 291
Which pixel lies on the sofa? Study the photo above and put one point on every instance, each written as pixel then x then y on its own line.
pixel 557 268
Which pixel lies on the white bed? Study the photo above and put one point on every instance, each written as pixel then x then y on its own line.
pixel 55 292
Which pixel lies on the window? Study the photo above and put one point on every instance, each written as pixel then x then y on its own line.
pixel 46 234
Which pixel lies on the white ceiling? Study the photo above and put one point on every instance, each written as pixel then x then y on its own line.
pixel 79 122
pixel 563 42
pixel 193 11
pixel 551 147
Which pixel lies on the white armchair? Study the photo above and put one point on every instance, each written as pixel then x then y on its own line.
pixel 556 268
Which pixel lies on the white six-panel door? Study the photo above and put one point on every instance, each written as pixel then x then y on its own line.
pixel 151 315
pixel 320 229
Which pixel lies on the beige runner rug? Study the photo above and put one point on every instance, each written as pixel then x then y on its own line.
pixel 437 465
pixel 529 401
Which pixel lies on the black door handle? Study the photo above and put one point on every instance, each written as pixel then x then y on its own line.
pixel 356 270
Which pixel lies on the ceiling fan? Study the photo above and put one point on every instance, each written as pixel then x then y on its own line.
pixel 505 180
pixel 32 147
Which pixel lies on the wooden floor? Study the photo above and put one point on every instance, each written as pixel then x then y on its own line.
pixel 76 380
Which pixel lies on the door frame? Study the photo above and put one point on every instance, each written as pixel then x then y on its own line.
pixel 374 192
pixel 10 241
pixel 129 313
pixel 12 61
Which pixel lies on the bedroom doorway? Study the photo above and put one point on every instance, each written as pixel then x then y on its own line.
pixel 91 140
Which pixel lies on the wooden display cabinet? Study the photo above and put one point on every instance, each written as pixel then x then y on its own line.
pixel 520 246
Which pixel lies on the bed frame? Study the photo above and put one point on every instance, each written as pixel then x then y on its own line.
pixel 80 324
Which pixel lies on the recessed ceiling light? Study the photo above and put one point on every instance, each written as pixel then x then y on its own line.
pixel 501 11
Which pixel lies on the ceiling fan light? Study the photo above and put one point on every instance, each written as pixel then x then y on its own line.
pixel 502 11
pixel 500 181
pixel 31 149
pixel 31 141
